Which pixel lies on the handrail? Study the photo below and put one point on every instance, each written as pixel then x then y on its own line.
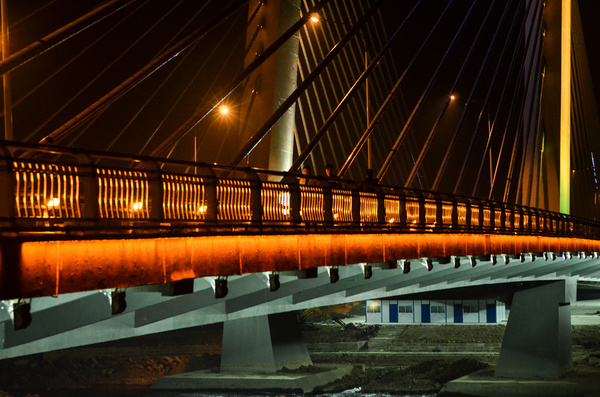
pixel 48 188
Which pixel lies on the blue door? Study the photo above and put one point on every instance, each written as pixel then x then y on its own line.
pixel 393 313
pixel 491 313
pixel 425 313
pixel 458 313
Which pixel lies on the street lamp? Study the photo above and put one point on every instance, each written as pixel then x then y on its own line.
pixel 466 101
pixel 316 18
pixel 223 111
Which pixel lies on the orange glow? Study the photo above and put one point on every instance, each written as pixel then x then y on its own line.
pixel 314 17
pixel 56 267
pixel 223 110
pixel 54 202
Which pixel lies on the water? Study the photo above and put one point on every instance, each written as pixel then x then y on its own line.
pixel 357 392
pixel 134 392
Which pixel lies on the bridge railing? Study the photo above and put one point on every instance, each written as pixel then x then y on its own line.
pixel 46 188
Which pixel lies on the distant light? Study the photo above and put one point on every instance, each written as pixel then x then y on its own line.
pixel 54 202
pixel 137 206
pixel 224 109
pixel 314 17
pixel 452 97
pixel 392 220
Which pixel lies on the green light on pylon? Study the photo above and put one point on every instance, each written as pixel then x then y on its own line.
pixel 565 109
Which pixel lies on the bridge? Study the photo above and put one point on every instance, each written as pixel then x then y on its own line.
pixel 209 220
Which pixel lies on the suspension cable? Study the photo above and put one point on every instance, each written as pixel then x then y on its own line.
pixel 62 34
pixel 502 57
pixel 142 74
pixel 442 168
pixel 93 80
pixel 485 102
pixel 425 94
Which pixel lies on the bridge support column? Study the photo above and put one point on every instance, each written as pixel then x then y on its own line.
pixel 537 342
pixel 263 344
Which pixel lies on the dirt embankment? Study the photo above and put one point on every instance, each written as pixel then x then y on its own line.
pixel 392 358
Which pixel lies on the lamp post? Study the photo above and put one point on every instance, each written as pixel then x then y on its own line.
pixel 223 111
pixel 8 127
pixel 454 97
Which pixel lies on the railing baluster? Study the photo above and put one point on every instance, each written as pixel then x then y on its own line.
pixel 64 191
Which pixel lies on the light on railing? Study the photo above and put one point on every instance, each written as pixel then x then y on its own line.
pixel 54 202
pixel 335 216
pixel 202 209
pixel 284 201
pixel 391 220
pixel 137 206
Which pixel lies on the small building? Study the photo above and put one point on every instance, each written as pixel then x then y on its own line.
pixel 430 311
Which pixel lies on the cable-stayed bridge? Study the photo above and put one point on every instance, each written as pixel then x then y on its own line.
pixel 124 183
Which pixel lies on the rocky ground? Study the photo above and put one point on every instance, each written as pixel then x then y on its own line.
pixel 389 358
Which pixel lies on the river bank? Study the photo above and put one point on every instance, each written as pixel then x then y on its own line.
pixel 398 359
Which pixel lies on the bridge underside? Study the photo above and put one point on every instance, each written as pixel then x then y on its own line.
pixel 182 291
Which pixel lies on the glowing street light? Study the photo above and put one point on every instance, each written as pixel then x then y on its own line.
pixel 223 109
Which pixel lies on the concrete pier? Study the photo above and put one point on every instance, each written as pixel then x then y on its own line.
pixel 538 342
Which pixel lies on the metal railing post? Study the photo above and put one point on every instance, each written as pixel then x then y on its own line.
pixel 89 187
pixel 155 191
pixel 380 207
pixel 327 203
pixel 212 200
pixel 454 214
pixel 355 206
pixel 439 212
pixel 256 208
pixel 295 198
pixel 7 197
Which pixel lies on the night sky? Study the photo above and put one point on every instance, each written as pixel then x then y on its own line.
pixel 590 20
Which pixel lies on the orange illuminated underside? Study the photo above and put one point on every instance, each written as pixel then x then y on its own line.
pixel 47 268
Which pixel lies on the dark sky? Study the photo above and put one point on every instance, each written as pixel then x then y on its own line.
pixel 590 19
